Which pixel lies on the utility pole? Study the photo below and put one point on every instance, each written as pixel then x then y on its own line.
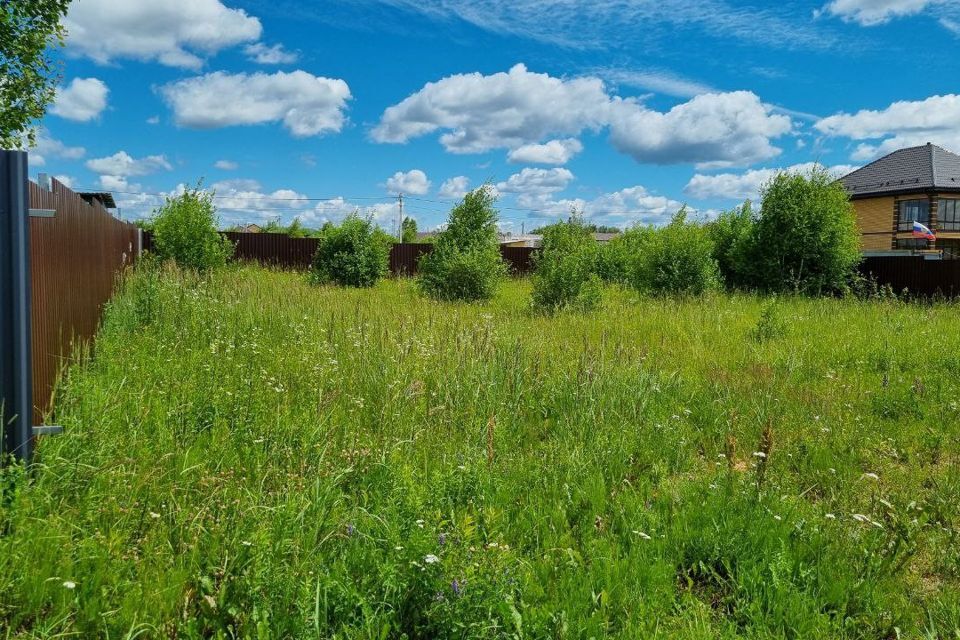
pixel 400 219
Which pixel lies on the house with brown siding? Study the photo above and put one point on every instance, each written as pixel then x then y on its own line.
pixel 915 184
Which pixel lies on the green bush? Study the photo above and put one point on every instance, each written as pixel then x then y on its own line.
pixel 616 258
pixel 185 230
pixel 355 254
pixel 731 233
pixel 677 258
pixel 465 263
pixel 565 268
pixel 408 230
pixel 806 238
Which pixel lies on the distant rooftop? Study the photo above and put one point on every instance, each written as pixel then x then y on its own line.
pixel 104 197
pixel 908 170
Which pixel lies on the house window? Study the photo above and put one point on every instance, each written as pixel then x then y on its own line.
pixel 914 211
pixel 948 214
pixel 914 244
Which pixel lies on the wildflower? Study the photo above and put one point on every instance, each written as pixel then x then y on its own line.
pixel 154 515
pixel 456 587
pixel 431 559
pixel 870 476
pixel 420 523
pixel 351 529
pixel 442 539
pixel 398 548
pixel 68 584
pixel 246 543
pixel 859 517
pixel 642 535
pixel 777 518
pixel 830 516
pixel 759 454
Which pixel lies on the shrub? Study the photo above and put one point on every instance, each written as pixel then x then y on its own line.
pixel 677 258
pixel 408 230
pixel 616 258
pixel 465 263
pixel 730 234
pixel 355 254
pixel 185 230
pixel 805 238
pixel 565 273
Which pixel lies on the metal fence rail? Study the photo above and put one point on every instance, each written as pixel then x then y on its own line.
pixel 914 274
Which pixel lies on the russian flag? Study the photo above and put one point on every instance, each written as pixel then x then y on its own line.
pixel 920 231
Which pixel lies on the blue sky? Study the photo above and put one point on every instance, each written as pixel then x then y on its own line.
pixel 625 109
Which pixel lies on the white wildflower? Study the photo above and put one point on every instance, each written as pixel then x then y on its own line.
pixel 431 559
pixel 68 584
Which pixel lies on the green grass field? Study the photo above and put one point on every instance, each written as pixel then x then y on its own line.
pixel 256 457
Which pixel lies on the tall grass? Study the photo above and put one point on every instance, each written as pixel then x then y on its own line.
pixel 251 456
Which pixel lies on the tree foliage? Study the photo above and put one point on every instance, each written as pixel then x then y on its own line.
pixel 408 230
pixel 565 268
pixel 805 238
pixel 731 234
pixel 28 75
pixel 355 253
pixel 465 263
pixel 185 230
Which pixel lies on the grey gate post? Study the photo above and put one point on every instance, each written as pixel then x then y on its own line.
pixel 16 394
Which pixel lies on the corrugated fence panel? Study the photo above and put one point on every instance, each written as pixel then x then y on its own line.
pixel 75 259
pixel 916 275
pixel 279 250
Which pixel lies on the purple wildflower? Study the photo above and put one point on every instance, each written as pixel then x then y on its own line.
pixel 455 586
pixel 351 529
pixel 442 539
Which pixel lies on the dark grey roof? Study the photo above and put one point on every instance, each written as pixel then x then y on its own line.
pixel 914 169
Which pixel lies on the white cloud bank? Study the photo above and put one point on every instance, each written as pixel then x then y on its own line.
pixel 902 124
pixel 175 33
pixel 306 104
pixel 263 54
pixel 82 100
pixel 519 108
pixel 123 164
pixel 741 186
pixel 454 188
pixel 46 147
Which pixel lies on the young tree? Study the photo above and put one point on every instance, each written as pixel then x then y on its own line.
pixel 185 230
pixel 565 268
pixel 355 254
pixel 28 78
pixel 465 263
pixel 805 238
pixel 408 230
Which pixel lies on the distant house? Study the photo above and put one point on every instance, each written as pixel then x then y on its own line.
pixel 916 184
pixel 536 240
pixel 104 198
pixel 250 228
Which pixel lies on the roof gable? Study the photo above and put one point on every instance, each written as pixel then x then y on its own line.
pixel 913 169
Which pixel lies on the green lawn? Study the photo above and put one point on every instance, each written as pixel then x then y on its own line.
pixel 257 457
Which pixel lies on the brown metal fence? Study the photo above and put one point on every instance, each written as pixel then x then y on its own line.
pixel 279 250
pixel 76 256
pixel 914 274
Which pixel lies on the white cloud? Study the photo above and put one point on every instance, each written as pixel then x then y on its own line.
pixel 117 183
pixel 226 165
pixel 82 100
pixel 874 12
pixel 552 152
pixel 536 181
pixel 153 120
pixel 716 129
pixel 67 181
pixel 740 186
pixel 412 182
pixel 953 26
pixel 307 105
pixel 175 33
pixel 454 188
pixel 123 164
pixel 247 197
pixel 621 208
pixel 46 147
pixel 902 124
pixel 263 54
pixel 503 110
pixel 519 108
